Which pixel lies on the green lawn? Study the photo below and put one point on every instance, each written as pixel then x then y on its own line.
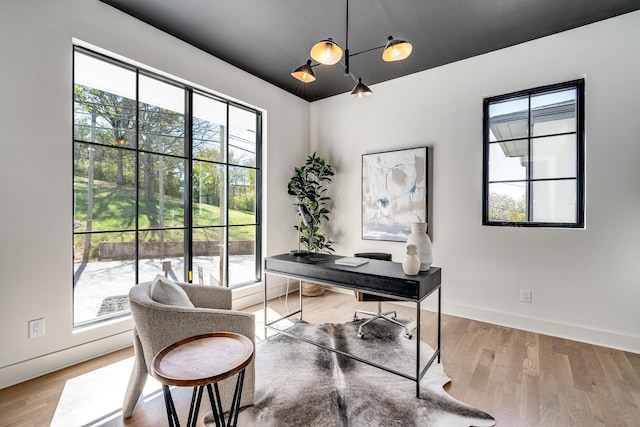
pixel 114 210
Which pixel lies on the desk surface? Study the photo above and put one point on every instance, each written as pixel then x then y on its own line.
pixel 203 359
pixel 379 277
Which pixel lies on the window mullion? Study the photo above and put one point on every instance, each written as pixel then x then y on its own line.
pixel 137 179
pixel 529 163
pixel 188 186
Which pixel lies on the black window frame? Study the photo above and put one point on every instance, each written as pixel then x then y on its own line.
pixel 188 157
pixel 579 86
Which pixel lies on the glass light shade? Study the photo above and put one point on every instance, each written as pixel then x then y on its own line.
pixel 326 52
pixel 360 90
pixel 396 50
pixel 304 73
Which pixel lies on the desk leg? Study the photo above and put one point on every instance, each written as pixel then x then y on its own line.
pixel 418 338
pixel 300 297
pixel 439 318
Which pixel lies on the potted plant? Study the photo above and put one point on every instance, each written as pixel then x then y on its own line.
pixel 309 186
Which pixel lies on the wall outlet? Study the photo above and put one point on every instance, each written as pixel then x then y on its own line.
pixel 525 295
pixel 36 328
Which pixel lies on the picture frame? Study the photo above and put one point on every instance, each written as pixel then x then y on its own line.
pixel 394 193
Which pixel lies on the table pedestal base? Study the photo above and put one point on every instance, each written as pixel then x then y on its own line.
pixel 214 399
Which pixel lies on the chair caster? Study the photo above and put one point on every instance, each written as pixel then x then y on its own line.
pixel 355 318
pixel 360 335
pixel 408 336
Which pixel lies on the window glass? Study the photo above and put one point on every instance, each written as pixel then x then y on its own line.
pixel 156 187
pixel 209 183
pixel 160 191
pixel 104 102
pixel 242 258
pixel 554 113
pixel 161 252
pixel 509 119
pixel 535 178
pixel 104 269
pixel 208 256
pixel 209 123
pixel 554 201
pixel 242 136
pixel 554 157
pixel 242 195
pixel 508 202
pixel 161 111
pixel 103 188
pixel 508 160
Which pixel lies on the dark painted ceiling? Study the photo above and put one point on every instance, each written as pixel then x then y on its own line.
pixel 270 38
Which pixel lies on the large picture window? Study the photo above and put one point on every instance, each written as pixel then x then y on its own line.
pixel 534 157
pixel 166 180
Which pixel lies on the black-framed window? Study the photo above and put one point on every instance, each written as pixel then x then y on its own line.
pixel 166 180
pixel 533 173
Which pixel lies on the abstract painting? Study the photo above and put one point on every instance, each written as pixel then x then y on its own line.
pixel 394 193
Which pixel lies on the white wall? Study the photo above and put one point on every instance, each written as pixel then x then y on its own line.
pixel 36 165
pixel 584 283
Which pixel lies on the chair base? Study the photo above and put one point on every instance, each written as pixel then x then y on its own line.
pixel 389 316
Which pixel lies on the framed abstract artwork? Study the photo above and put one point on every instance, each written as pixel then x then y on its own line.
pixel 394 193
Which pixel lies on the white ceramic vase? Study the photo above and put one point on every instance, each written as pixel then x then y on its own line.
pixel 411 263
pixel 421 240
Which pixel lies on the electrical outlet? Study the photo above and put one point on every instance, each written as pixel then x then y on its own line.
pixel 36 328
pixel 525 295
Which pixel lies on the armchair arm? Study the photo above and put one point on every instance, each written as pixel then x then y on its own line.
pixel 208 296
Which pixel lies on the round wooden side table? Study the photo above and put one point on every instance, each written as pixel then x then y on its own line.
pixel 202 361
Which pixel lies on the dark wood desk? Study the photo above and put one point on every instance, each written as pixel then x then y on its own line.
pixel 375 277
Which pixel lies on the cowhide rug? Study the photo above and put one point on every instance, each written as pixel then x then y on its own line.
pixel 299 384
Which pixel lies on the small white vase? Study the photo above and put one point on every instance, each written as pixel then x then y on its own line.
pixel 420 239
pixel 411 264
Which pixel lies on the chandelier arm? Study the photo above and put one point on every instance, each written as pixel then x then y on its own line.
pixel 368 50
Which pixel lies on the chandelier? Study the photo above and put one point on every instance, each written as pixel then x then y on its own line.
pixel 328 52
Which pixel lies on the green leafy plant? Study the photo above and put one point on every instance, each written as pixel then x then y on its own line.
pixel 309 186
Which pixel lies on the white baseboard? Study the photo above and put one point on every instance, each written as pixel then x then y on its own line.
pixel 599 337
pixel 32 368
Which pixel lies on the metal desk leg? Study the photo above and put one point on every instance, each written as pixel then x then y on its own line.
pixel 264 306
pixel 300 297
pixel 419 337
pixel 439 318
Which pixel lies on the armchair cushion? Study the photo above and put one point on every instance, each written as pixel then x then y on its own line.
pixel 168 292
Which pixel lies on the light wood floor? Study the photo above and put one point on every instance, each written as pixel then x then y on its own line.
pixel 521 378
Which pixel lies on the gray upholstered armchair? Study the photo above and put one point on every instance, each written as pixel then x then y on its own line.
pixel 158 325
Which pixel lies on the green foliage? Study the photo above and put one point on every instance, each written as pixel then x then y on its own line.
pixel 308 185
pixel 505 208
pixel 114 210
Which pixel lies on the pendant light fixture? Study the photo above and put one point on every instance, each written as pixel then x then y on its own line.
pixel 360 90
pixel 304 73
pixel 328 52
pixel 396 50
